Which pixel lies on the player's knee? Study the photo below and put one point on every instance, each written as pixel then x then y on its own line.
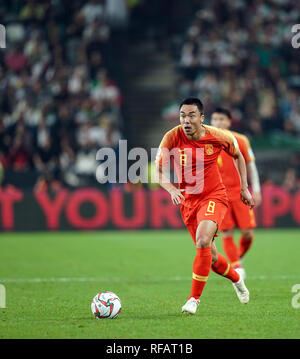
pixel 227 234
pixel 248 234
pixel 203 241
pixel 214 257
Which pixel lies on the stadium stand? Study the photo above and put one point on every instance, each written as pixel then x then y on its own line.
pixel 238 54
pixel 58 100
pixel 80 75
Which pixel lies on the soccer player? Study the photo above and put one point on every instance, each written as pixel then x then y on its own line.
pixel 237 215
pixel 195 148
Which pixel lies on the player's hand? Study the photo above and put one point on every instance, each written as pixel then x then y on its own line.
pixel 247 198
pixel 257 198
pixel 176 195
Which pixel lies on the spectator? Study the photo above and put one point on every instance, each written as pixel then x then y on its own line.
pixel 290 180
pixel 16 60
pixel 18 157
pixel 93 9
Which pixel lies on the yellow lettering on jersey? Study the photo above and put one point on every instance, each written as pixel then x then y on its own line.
pixel 211 207
pixel 183 158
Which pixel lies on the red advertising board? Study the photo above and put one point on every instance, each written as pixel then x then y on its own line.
pixel 94 208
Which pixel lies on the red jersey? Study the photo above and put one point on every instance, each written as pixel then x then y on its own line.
pixel 196 164
pixel 228 169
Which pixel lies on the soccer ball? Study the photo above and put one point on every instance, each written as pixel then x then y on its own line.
pixel 106 305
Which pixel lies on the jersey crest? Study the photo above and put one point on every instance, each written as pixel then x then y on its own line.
pixel 209 149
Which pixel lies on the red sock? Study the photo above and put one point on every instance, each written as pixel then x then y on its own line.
pixel 201 269
pixel 245 244
pixel 231 251
pixel 222 267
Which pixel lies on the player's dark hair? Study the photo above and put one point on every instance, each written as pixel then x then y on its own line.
pixel 223 111
pixel 193 101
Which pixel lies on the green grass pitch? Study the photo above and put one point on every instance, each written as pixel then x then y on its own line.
pixel 51 278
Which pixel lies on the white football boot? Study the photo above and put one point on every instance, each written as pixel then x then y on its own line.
pixel 241 291
pixel 241 271
pixel 191 306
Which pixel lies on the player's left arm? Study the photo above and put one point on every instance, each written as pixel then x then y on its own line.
pixel 255 183
pixel 253 173
pixel 249 157
pixel 230 145
pixel 241 165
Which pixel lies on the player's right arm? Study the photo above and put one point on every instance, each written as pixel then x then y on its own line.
pixel 175 193
pixel 162 162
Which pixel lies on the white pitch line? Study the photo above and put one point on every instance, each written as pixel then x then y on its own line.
pixel 117 279
pixel 56 280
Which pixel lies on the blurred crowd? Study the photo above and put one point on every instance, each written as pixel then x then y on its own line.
pixel 59 99
pixel 238 54
pixel 59 102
